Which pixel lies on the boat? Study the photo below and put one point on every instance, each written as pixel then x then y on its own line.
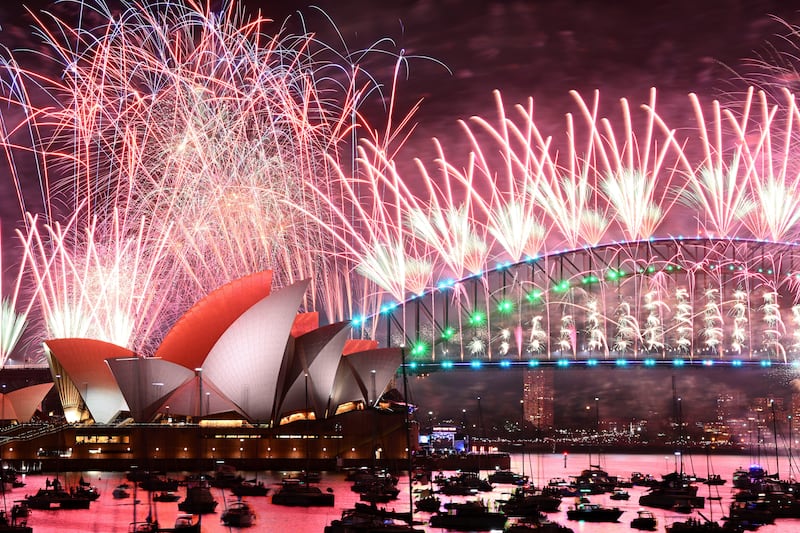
pixel 166 496
pixel 504 476
pixel 464 484
pixel 18 522
pixel 120 492
pixel 238 514
pixel 359 521
pixel 645 520
pixel 299 494
pixel 620 494
pixel 84 490
pixel 469 516
pixel 537 526
pixel 529 502
pixel 714 479
pixel 250 488
pixel 184 523
pixel 428 503
pixel 225 477
pixel 675 489
pixel 694 525
pixel 594 512
pixel 594 480
pixel 54 497
pixel 198 500
pixel 155 483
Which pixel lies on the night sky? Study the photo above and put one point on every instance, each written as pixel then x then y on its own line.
pixel 461 50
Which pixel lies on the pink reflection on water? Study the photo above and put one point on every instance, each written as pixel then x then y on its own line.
pixel 108 515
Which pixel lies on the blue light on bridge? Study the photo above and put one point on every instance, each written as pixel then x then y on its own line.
pixel 446 284
pixel 796 363
pixel 736 362
pixel 447 365
pixel 649 362
pixel 505 364
pixel 563 363
pixel 388 308
pixel 766 363
pixel 475 364
pixel 622 362
pixel 677 362
pixel 356 321
pixel 412 365
pixel 533 363
pixel 708 362
pixel 591 362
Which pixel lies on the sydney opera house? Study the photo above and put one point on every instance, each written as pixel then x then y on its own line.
pixel 240 376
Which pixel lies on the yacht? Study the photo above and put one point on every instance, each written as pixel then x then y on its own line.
pixel 468 516
pixel 299 494
pixel 594 512
pixel 238 514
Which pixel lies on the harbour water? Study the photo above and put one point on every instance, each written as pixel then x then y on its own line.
pixel 108 515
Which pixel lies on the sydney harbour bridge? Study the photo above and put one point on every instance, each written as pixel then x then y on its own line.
pixel 675 301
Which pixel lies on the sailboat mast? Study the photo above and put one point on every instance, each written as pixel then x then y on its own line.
pixel 676 406
pixel 775 436
pixel 408 437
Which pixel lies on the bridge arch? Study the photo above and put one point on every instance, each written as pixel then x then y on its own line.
pixel 671 300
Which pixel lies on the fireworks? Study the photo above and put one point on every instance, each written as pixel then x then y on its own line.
pixel 178 149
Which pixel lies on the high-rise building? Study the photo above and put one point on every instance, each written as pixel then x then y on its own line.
pixel 537 398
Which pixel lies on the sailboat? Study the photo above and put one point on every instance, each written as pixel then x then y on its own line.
pixel 17 522
pixel 676 490
pixel 184 523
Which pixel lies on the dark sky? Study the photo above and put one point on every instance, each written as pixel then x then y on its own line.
pixel 540 49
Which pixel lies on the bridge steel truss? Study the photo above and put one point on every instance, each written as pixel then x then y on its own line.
pixel 696 300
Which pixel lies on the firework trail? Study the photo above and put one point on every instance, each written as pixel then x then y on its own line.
pixel 177 149
pixel 208 125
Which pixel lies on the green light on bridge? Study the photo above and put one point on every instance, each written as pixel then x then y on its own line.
pixel 419 349
pixel 447 333
pixel 477 318
pixel 505 306
pixel 614 275
pixel 561 286
pixel 590 279
pixel 534 296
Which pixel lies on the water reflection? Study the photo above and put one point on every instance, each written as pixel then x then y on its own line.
pixel 109 515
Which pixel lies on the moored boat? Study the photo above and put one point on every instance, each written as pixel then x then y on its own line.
pixel 166 496
pixel 645 520
pixel 238 514
pixel 694 525
pixel 360 521
pixel 428 503
pixel 299 494
pixel 250 488
pixel 198 500
pixel 468 516
pixel 529 502
pixel 17 523
pixel 184 523
pixel 505 476
pixel 54 497
pixel 594 512
pixel 120 492
pixel 620 494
